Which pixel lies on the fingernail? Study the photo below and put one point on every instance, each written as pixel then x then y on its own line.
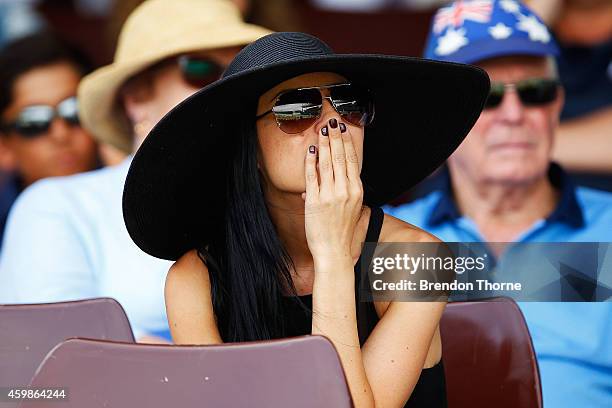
pixel 324 131
pixel 312 149
pixel 342 127
pixel 333 123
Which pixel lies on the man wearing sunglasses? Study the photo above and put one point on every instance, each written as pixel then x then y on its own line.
pixel 66 238
pixel 40 135
pixel 501 186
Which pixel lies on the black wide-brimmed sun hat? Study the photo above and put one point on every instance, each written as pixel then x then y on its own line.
pixel 175 192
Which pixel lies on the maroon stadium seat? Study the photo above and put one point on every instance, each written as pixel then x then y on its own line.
pixel 29 332
pixel 488 356
pixel 298 372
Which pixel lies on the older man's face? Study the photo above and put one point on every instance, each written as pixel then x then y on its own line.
pixel 511 143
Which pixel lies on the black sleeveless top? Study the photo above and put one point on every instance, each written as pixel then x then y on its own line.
pixel 430 390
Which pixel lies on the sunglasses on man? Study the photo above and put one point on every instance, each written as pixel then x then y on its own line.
pixel 195 71
pixel 531 92
pixel 295 110
pixel 198 71
pixel 35 120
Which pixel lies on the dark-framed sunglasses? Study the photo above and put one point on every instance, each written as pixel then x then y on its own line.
pixel 295 110
pixel 199 71
pixel 531 92
pixel 35 120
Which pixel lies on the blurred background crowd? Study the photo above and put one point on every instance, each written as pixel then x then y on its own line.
pixel 47 46
pixel 89 30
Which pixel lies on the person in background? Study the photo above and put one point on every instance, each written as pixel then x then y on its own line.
pixel 375 5
pixel 501 186
pixel 18 19
pixel 276 15
pixel 65 237
pixel 40 133
pixel 584 31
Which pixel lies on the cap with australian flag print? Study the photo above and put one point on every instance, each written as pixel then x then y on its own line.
pixel 468 31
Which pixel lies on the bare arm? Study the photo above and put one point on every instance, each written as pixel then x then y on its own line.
pixel 547 10
pixel 334 316
pixel 585 144
pixel 189 304
pixel 405 340
pixel 332 208
pixel 384 372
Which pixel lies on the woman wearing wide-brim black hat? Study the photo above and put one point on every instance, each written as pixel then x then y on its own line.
pixel 264 185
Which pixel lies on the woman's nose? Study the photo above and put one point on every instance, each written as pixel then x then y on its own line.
pixel 327 112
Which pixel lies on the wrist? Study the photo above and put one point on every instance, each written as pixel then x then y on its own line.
pixel 335 260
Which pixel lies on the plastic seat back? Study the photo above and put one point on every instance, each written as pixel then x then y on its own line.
pixel 29 332
pixel 298 372
pixel 488 356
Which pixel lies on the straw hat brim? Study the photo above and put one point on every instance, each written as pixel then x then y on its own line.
pixel 100 111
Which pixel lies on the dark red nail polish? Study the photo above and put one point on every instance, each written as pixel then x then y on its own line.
pixel 342 127
pixel 324 131
pixel 333 123
pixel 312 149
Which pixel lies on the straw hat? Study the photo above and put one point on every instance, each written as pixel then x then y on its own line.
pixel 156 30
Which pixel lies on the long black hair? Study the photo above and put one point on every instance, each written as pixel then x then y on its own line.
pixel 248 265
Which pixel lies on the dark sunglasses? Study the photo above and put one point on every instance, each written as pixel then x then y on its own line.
pixel 296 110
pixel 198 71
pixel 531 92
pixel 35 120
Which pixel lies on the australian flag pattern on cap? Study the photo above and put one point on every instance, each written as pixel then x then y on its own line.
pixel 468 31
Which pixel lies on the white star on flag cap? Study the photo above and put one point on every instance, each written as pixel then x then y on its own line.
pixel 500 31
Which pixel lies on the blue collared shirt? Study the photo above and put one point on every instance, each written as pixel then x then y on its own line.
pixel 573 341
pixel 65 239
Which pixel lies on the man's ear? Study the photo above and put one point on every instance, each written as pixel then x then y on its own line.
pixel 7 157
pixel 135 108
pixel 558 105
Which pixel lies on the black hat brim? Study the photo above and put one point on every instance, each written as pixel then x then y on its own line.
pixel 174 195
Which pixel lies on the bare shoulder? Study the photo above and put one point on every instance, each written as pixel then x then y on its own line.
pixel 424 330
pixel 396 230
pixel 187 276
pixel 189 302
pixel 188 265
